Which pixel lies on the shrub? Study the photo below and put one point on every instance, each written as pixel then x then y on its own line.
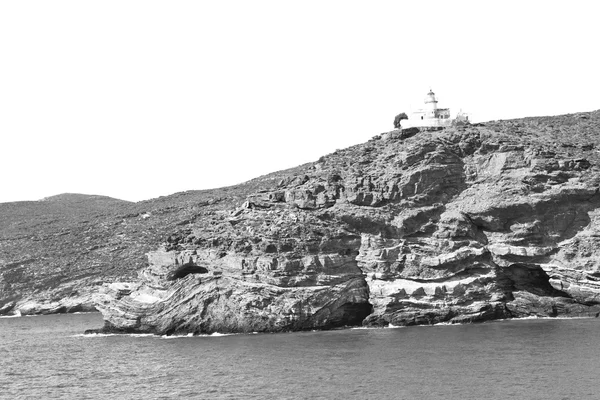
pixel 399 118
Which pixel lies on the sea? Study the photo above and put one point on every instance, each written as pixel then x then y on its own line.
pixel 49 357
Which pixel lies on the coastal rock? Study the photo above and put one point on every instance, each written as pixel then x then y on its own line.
pixel 464 224
pixel 238 293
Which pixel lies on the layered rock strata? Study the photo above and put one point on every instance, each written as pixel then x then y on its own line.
pixel 460 225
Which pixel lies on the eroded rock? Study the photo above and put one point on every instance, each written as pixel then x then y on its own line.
pixel 460 225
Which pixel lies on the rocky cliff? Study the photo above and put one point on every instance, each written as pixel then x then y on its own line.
pixel 465 224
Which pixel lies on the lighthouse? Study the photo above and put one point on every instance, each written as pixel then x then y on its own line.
pixel 430 116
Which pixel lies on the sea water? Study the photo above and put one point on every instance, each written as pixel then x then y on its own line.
pixel 48 357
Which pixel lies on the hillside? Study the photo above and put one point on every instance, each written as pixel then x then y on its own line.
pixel 469 223
pixel 56 251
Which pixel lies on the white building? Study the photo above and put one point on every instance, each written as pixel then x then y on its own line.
pixel 429 116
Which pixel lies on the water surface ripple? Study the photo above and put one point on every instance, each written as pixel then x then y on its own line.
pixel 47 357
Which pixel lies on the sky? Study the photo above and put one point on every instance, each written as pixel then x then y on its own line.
pixel 140 99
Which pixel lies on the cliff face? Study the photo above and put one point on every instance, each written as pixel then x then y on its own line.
pixel 465 224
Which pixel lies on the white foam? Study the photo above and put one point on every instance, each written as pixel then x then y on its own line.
pixel 538 317
pixel 88 335
pixel 91 335
pixel 191 335
pixel 392 326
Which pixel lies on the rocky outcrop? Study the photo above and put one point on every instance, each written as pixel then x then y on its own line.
pixel 466 224
pixel 279 288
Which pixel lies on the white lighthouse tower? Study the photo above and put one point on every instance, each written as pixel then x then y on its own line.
pixel 430 105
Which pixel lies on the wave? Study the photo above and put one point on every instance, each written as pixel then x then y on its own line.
pixel 137 335
pixel 390 326
pixel 530 317
pixel 191 335
pixel 94 335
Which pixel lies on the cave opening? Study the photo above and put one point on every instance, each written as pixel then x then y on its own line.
pixel 186 270
pixel 351 314
pixel 533 279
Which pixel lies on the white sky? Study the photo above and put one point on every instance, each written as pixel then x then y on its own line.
pixel 138 99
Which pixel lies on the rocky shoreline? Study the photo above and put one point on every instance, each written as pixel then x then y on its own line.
pixel 34 306
pixel 465 224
